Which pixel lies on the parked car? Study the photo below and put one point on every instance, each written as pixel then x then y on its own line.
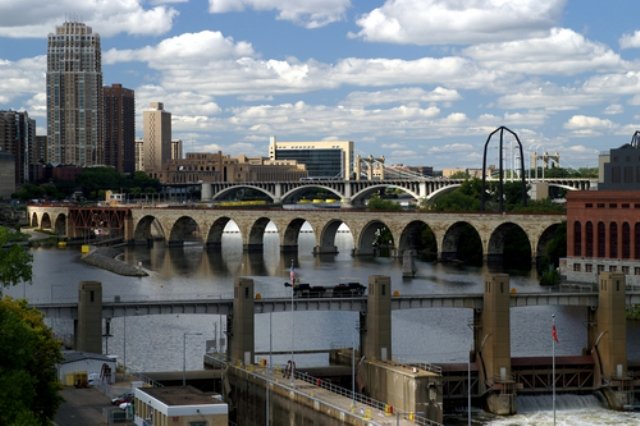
pixel 121 399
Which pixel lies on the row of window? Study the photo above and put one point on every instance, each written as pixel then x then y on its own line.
pixel 612 206
pixel 616 248
pixel 588 267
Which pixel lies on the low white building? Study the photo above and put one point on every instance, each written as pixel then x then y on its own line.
pixel 88 367
pixel 179 406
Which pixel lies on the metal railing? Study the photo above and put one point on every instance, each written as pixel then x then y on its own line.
pixel 362 399
pixel 354 396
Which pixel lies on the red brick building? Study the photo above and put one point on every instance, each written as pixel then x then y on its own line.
pixel 603 234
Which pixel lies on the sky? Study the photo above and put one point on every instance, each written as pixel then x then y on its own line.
pixel 420 82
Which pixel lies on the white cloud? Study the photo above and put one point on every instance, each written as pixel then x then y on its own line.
pixel 582 125
pixel 308 13
pixel 233 68
pixel 188 49
pixel 549 96
pixel 35 18
pixel 405 95
pixel 426 22
pixel 613 109
pixel 630 41
pixel 24 77
pixel 561 51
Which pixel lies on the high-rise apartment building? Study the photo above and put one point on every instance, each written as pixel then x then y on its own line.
pixel 119 121
pixel 74 96
pixel 156 138
pixel 17 134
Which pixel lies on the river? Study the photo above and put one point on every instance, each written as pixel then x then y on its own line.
pixel 156 343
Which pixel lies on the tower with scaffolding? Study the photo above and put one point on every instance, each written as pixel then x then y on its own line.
pixel 548 161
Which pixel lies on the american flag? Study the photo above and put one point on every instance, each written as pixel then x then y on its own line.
pixel 554 334
pixel 292 276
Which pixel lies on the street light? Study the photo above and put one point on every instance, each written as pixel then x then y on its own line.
pixel 184 355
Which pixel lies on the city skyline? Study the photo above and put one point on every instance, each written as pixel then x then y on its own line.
pixel 419 82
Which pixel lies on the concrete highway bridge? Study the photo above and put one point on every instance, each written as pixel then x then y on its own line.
pixel 497 377
pixel 175 225
pixel 354 192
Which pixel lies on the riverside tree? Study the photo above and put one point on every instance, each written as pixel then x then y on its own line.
pixel 15 260
pixel 28 381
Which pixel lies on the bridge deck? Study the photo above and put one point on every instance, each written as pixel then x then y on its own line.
pixel 224 306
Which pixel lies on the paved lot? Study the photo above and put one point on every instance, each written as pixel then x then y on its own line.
pixel 84 407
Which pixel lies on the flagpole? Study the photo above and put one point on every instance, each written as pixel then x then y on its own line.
pixel 553 363
pixel 292 278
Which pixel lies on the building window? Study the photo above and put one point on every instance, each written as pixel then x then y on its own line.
pixel 198 423
pixel 636 270
pixel 625 270
pixel 600 205
pixel 589 205
pixel 626 241
pixel 589 267
pixel 576 267
pixel 625 205
pixel 577 239
pixel 613 205
pixel 589 240
pixel 613 240
pixel 613 268
pixel 600 268
pixel 601 242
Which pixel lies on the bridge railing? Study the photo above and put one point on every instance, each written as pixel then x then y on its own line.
pixel 357 397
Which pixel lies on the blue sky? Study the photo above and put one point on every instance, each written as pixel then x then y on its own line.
pixel 422 82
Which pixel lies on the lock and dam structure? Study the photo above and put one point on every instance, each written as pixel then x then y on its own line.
pixel 385 391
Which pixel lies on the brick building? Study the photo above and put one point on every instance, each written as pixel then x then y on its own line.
pixel 603 227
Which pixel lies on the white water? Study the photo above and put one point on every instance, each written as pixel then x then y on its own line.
pixel 571 410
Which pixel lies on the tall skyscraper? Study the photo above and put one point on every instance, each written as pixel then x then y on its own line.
pixel 119 123
pixel 17 135
pixel 75 130
pixel 156 138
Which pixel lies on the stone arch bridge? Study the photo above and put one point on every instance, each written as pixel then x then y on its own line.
pixel 140 225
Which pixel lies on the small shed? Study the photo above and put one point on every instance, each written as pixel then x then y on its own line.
pixel 85 368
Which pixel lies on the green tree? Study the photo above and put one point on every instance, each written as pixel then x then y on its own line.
pixel 15 260
pixel 28 382
pixel 377 203
pixel 95 180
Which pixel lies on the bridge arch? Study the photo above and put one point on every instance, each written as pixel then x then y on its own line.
pixel 289 238
pixel 503 239
pixel 255 236
pixel 360 195
pixel 147 229
pixel 45 222
pixel 443 190
pixel 60 225
pixel 34 220
pixel 325 241
pixel 452 249
pixel 419 236
pixel 184 229
pixel 545 238
pixel 225 191
pixel 216 230
pixel 301 189
pixel 369 238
